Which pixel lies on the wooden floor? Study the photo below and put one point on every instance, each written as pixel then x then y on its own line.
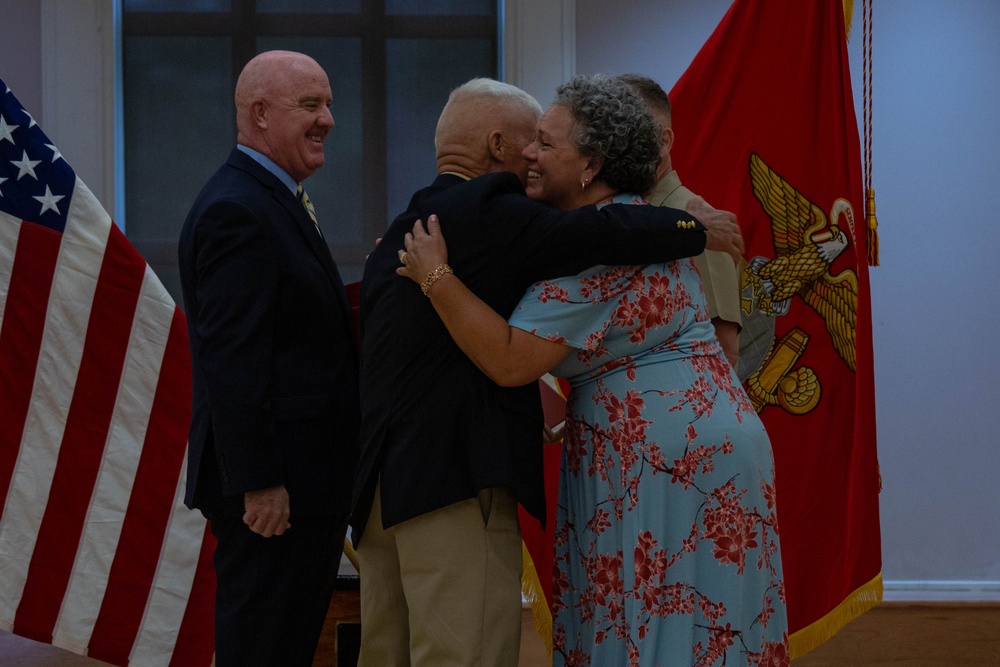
pixel 914 634
pixel 895 634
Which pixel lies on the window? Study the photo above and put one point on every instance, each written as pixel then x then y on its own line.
pixel 391 65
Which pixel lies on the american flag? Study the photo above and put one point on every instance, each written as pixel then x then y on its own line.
pixel 98 554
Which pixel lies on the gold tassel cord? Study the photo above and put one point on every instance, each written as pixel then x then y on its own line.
pixel 871 227
pixel 871 221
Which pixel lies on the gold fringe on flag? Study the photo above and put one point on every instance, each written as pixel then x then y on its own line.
pixel 816 634
pixel 531 589
pixel 848 17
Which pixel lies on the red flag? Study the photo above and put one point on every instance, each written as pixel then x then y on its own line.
pixel 765 126
pixel 538 541
pixel 98 553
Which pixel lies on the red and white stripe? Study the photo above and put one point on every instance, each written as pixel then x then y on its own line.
pixel 98 553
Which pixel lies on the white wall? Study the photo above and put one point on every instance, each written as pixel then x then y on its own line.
pixel 936 312
pixel 58 59
pixel 78 84
pixel 539 45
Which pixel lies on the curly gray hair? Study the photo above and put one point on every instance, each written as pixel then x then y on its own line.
pixel 612 122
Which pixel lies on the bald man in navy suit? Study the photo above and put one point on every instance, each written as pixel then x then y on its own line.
pixel 273 441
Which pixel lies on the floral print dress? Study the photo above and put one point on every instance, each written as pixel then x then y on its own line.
pixel 667 548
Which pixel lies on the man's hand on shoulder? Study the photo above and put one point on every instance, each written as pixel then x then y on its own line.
pixel 267 511
pixel 722 230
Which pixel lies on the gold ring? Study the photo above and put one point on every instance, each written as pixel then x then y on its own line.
pixel 402 256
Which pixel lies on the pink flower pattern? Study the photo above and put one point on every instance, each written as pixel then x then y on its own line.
pixel 667 549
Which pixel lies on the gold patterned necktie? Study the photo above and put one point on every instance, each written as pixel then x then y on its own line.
pixel 310 209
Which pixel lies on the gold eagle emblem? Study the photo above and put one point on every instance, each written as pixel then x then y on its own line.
pixel 805 243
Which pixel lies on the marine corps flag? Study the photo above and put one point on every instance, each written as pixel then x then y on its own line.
pixel 765 125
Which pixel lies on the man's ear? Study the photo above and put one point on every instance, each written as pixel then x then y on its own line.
pixel 258 113
pixel 497 145
pixel 668 139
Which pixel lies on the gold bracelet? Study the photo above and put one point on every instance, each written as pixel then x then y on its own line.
pixel 433 277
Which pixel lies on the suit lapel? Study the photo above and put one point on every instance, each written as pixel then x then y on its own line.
pixel 317 245
pixel 287 200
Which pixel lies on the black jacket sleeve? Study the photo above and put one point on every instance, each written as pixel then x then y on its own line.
pixel 548 243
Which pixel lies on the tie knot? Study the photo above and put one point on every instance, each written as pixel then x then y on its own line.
pixel 310 209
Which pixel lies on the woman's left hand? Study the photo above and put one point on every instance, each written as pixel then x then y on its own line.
pixel 424 250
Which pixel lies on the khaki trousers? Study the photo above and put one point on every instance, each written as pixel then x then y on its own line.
pixel 443 589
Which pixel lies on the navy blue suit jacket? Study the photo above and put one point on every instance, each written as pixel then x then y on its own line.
pixel 275 361
pixel 436 430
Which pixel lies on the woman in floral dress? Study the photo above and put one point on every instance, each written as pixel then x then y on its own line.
pixel 667 548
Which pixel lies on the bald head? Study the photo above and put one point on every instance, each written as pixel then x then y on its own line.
pixel 484 127
pixel 265 75
pixel 282 110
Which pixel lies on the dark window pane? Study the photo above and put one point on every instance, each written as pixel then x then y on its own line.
pixel 309 7
pixel 421 73
pixel 336 188
pixel 178 107
pixel 442 7
pixel 178 5
pixel 391 65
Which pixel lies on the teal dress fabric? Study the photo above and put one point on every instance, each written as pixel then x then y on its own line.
pixel 666 545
